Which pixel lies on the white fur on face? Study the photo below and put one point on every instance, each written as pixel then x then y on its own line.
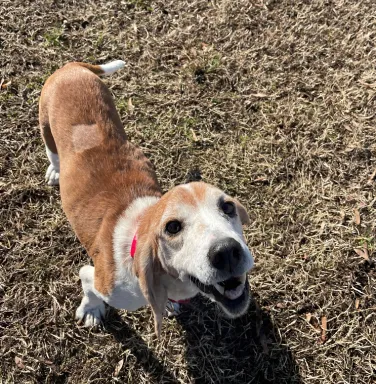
pixel 204 225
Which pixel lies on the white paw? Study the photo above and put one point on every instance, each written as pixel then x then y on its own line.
pixel 52 175
pixel 90 316
pixel 172 309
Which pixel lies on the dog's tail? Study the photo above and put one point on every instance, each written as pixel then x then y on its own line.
pixel 103 69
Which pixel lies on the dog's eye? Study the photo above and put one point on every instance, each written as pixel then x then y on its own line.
pixel 228 208
pixel 173 227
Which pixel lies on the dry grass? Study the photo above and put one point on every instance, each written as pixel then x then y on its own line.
pixel 274 101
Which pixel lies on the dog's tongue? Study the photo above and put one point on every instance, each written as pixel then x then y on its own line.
pixel 233 294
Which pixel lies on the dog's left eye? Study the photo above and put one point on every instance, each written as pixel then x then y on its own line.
pixel 173 227
pixel 228 208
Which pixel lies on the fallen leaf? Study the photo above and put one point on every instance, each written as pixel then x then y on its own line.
pixel 47 362
pixel 130 106
pixel 362 252
pixel 357 216
pixel 322 227
pixel 260 95
pixel 352 198
pixel 260 179
pixel 6 85
pixel 366 254
pixel 19 362
pixel 194 135
pixel 324 328
pixel 118 367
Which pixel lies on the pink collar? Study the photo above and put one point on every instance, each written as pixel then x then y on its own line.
pixel 134 246
pixel 133 252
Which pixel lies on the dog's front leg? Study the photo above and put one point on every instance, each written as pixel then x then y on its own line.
pixel 172 309
pixel 92 309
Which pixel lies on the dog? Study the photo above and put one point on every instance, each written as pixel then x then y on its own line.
pixel 147 248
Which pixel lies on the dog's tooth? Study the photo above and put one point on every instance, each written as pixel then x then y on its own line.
pixel 219 288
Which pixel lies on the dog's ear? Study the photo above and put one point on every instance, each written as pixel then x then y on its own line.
pixel 148 269
pixel 242 212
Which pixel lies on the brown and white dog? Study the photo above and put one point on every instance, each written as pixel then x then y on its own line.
pixel 147 248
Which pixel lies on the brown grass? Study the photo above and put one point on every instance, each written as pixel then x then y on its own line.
pixel 273 101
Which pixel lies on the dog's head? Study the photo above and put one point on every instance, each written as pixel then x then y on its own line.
pixel 194 232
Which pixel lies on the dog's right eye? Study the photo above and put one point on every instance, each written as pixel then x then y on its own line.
pixel 173 227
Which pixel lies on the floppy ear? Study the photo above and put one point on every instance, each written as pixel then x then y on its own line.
pixel 244 218
pixel 148 269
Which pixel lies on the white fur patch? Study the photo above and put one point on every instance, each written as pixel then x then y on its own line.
pixel 53 170
pixel 127 293
pixel 86 136
pixel 125 229
pixel 92 309
pixel 112 67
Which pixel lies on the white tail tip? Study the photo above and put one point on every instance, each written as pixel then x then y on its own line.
pixel 112 67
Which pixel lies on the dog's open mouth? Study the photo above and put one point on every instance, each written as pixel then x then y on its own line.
pixel 231 288
pixel 232 293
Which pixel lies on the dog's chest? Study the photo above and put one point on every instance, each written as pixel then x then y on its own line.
pixel 179 290
pixel 127 294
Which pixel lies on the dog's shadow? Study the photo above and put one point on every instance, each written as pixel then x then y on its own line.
pixel 218 350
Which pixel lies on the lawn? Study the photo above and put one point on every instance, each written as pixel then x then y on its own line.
pixel 272 101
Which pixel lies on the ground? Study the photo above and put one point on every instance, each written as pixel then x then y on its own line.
pixel 272 101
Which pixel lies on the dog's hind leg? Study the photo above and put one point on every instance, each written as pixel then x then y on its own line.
pixel 92 308
pixel 53 171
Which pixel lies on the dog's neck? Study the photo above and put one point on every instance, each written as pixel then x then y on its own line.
pixel 126 228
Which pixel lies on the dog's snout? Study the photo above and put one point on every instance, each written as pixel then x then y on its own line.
pixel 225 255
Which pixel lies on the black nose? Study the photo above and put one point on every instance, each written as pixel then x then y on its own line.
pixel 225 255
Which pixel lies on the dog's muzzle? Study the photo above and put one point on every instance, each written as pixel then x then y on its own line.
pixel 231 294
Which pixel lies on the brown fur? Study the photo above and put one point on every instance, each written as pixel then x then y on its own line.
pixel 147 265
pixel 200 193
pixel 242 212
pixel 101 174
pixel 187 197
pixel 95 176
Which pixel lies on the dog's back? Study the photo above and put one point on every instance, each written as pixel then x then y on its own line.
pixel 78 109
pixel 80 125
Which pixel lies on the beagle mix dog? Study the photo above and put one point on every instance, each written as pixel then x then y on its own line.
pixel 147 247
